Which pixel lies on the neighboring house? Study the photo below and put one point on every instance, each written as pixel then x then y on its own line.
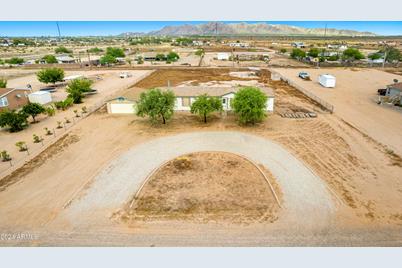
pixel 13 98
pixel 395 91
pixel 223 56
pixel 65 59
pixel 298 45
pixel 244 45
pixel 185 96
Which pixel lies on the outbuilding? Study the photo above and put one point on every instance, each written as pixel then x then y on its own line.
pixel 41 97
pixel 223 56
pixel 327 80
pixel 120 105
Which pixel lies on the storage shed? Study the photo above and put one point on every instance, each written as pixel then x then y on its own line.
pixel 327 80
pixel 223 56
pixel 41 97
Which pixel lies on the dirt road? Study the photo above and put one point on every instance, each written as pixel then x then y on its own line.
pixel 307 202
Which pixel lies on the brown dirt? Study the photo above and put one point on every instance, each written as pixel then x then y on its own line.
pixel 206 186
pixel 176 76
pixel 37 161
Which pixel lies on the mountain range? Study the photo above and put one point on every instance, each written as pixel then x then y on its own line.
pixel 243 28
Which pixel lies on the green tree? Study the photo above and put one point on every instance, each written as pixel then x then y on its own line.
pixel 352 54
pixel 107 60
pixel 50 59
pixel 393 54
pixel 249 104
pixel 33 109
pixel 16 121
pixel 204 105
pixel 172 56
pixel 95 50
pixel 314 52
pixel 297 53
pixel 77 88
pixel 115 52
pixel 283 50
pixel 140 60
pixel 50 75
pixel 375 56
pixel 15 60
pixel 3 83
pixel 199 52
pixel 62 50
pixel 156 104
pixel 160 57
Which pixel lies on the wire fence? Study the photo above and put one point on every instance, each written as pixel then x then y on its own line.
pixel 325 105
pixel 35 148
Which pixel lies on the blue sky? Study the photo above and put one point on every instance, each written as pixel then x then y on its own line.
pixel 85 28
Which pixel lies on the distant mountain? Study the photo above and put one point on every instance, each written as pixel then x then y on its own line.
pixel 212 28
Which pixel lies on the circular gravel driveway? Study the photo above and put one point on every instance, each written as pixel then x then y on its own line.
pixel 306 200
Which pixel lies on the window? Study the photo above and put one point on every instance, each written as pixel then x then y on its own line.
pixel 224 101
pixel 3 102
pixel 185 101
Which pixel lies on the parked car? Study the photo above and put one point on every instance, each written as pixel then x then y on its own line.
pixel 382 91
pixel 125 75
pixel 304 75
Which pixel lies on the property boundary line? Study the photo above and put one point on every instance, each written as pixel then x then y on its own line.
pixel 327 106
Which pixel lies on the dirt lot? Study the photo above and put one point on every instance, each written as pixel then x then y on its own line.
pixel 363 177
pixel 206 186
pixel 354 98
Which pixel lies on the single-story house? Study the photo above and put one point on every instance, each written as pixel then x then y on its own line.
pixel 13 98
pixel 239 44
pixel 65 59
pixel 186 95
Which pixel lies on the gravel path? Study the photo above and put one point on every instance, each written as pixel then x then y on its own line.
pixel 306 201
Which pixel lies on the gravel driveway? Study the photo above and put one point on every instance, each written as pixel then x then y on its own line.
pixel 306 201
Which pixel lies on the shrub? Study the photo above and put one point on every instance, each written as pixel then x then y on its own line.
pixel 297 54
pixel 61 50
pixel 37 139
pixel 3 83
pixel 5 156
pixel 16 121
pixel 50 59
pixel 22 146
pixel 77 88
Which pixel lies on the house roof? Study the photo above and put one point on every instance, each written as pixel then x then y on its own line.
pixel 396 86
pixel 6 91
pixel 194 91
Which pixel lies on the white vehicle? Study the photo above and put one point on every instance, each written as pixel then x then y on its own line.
pixel 327 80
pixel 125 75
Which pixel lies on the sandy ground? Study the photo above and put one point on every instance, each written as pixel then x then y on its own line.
pixel 354 99
pixel 205 186
pixel 110 85
pixel 362 177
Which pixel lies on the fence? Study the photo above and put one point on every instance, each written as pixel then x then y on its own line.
pixel 325 105
pixel 34 149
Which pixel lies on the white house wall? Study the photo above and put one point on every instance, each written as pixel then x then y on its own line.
pixel 120 108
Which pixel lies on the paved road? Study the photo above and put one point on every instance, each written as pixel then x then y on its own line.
pixel 307 204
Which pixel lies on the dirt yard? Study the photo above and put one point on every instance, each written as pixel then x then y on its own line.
pixel 354 98
pixel 206 186
pixel 362 176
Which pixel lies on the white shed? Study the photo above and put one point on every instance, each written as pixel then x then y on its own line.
pixel 223 56
pixel 327 80
pixel 41 97
pixel 120 105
